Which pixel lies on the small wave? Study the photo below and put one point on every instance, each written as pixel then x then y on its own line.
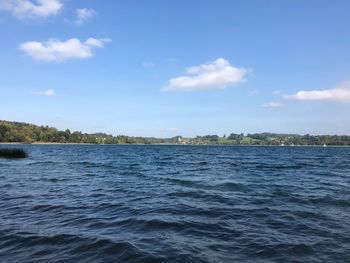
pixel 47 207
pixel 204 196
pixel 274 167
pixel 231 187
pixel 199 169
pixel 43 163
pixel 89 174
pixel 53 180
pixel 6 185
pixel 153 224
pixel 183 182
pixel 27 245
pixel 87 164
pixel 201 163
pixel 83 163
pixel 224 187
pixel 133 173
pixel 177 225
pixel 281 192
pixel 330 201
pixel 279 250
pixel 169 158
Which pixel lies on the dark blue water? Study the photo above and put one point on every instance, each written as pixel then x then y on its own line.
pixel 83 203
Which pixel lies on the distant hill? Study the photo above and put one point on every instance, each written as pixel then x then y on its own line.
pixel 29 133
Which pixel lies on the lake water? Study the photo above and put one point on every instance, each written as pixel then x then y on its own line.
pixel 86 203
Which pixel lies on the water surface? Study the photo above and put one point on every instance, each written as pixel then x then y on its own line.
pixel 85 203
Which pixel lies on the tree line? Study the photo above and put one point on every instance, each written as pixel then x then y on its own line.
pixel 29 133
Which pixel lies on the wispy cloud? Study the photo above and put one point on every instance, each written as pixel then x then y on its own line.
pixel 23 9
pixel 56 50
pixel 217 74
pixel 83 15
pixel 48 93
pixel 148 64
pixel 253 93
pixel 271 104
pixel 340 93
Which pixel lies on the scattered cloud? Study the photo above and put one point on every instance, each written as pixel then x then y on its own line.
pixel 56 50
pixel 83 15
pixel 26 9
pixel 93 42
pixel 276 92
pixel 148 64
pixel 340 93
pixel 217 74
pixel 48 93
pixel 271 105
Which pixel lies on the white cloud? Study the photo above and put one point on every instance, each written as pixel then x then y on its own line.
pixel 48 93
pixel 217 74
pixel 23 9
pixel 55 50
pixel 93 42
pixel 340 93
pixel 84 14
pixel 271 105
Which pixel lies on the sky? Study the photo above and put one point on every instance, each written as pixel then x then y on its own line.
pixel 184 67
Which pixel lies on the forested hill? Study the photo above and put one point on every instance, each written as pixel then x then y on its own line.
pixel 30 133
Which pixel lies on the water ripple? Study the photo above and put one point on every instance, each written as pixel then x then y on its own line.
pixel 135 203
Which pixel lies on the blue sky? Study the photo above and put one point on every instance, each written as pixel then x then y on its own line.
pixel 166 68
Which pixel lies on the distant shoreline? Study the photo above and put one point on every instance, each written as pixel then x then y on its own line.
pixel 170 144
pixel 27 133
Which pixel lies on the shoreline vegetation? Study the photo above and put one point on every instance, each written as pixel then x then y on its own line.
pixel 24 133
pixel 12 153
